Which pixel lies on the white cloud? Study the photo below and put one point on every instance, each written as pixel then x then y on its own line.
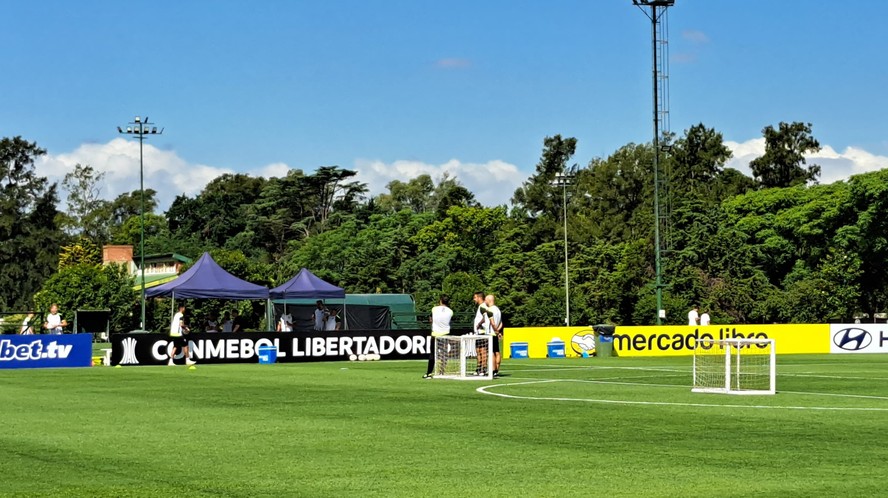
pixel 695 36
pixel 493 182
pixel 165 172
pixel 834 165
pixel 170 175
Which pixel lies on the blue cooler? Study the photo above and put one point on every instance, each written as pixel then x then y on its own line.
pixel 267 355
pixel 556 349
pixel 518 350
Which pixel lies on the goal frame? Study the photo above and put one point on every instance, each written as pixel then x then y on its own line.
pixel 733 363
pixel 464 341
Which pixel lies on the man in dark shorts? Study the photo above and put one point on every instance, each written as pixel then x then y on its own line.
pixel 178 332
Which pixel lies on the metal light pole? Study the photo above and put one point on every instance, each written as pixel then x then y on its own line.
pixel 563 179
pixel 658 9
pixel 139 128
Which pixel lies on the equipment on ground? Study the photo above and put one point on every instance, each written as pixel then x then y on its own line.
pixel 464 357
pixel 735 366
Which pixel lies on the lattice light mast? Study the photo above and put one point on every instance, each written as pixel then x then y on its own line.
pixel 655 10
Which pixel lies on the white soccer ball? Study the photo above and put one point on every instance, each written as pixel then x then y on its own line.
pixel 352 358
pixel 362 357
pixel 374 357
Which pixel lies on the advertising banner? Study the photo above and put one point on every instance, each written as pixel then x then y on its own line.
pixel 576 340
pixel 45 351
pixel 858 338
pixel 154 349
pixel 682 339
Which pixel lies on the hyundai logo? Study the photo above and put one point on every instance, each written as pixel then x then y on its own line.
pixel 852 339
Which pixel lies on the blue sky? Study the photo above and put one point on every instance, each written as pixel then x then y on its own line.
pixel 397 88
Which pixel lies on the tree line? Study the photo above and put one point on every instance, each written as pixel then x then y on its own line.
pixel 772 247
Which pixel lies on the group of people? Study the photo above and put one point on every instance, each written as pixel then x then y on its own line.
pixel 54 323
pixel 488 321
pixel 322 317
pixel 230 322
pixel 695 318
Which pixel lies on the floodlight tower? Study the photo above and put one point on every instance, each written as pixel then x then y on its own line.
pixel 660 48
pixel 140 128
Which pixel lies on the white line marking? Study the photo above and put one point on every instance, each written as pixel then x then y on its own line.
pixel 485 390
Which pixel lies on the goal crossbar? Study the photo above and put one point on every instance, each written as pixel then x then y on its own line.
pixel 735 366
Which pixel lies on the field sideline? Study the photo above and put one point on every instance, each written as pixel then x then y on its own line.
pixel 574 427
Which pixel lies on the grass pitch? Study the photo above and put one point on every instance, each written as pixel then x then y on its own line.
pixel 593 427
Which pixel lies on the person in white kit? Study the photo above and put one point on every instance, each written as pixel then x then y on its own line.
pixel 320 316
pixel 440 319
pixel 694 316
pixel 285 324
pixel 54 323
pixel 705 319
pixel 495 328
pixel 178 331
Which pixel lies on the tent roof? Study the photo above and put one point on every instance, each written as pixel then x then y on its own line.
pixel 307 285
pixel 207 280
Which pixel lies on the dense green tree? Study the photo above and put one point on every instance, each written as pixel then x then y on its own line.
pixel 92 286
pixel 86 211
pixel 784 164
pixel 29 236
pixel 82 251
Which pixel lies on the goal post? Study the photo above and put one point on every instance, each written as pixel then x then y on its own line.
pixel 735 366
pixel 463 357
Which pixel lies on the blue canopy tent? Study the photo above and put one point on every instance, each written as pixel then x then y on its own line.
pixel 307 285
pixel 207 280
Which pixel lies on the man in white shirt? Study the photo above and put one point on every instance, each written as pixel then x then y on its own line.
pixel 212 324
pixel 54 323
pixel 333 320
pixel 704 319
pixel 227 323
pixel 481 327
pixel 495 328
pixel 694 316
pixel 320 316
pixel 178 331
pixel 285 324
pixel 440 319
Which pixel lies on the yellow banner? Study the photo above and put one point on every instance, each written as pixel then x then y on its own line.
pixel 680 340
pixel 576 340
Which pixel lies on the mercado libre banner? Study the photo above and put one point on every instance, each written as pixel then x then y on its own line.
pixel 45 351
pixel 154 349
pixel 681 340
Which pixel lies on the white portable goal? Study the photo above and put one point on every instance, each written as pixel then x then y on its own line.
pixel 735 366
pixel 464 357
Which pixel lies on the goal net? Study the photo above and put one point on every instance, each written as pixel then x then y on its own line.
pixel 464 357
pixel 735 366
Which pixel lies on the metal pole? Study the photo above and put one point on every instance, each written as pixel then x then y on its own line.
pixel 657 262
pixel 566 274
pixel 142 218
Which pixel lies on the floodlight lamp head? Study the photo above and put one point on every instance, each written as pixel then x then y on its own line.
pixel 129 129
pixel 138 119
pixel 119 130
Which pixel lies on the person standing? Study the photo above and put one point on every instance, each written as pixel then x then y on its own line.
pixel 694 316
pixel 178 331
pixel 333 320
pixel 227 324
pixel 495 329
pixel 285 324
pixel 212 324
pixel 237 323
pixel 705 319
pixel 320 316
pixel 27 326
pixel 481 327
pixel 54 323
pixel 440 318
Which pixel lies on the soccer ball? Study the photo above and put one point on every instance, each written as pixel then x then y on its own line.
pixel 352 358
pixel 362 357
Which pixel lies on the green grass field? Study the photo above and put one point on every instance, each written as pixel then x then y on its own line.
pixel 378 429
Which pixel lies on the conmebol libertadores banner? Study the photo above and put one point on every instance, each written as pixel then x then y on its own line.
pixel 154 349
